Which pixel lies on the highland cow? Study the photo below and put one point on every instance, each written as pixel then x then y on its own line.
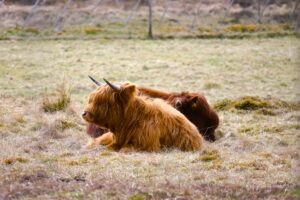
pixel 193 105
pixel 139 123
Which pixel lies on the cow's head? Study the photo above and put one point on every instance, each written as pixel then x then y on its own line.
pixel 107 103
pixel 189 102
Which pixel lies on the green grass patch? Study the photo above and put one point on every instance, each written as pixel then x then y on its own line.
pixel 137 29
pixel 294 192
pixel 251 28
pixel 137 197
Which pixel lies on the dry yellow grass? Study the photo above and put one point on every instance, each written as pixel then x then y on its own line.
pixel 42 154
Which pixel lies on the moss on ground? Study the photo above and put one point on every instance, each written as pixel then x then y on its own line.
pixel 264 106
pixel 294 192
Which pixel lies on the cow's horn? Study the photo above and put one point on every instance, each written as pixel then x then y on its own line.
pixel 96 82
pixel 114 87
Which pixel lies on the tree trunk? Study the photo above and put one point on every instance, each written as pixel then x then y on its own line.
pixel 150 35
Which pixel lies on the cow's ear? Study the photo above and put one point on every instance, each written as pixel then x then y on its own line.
pixel 128 92
pixel 194 102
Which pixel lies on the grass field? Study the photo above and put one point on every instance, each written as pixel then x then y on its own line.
pixel 42 155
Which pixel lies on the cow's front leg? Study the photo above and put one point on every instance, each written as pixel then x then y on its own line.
pixel 105 139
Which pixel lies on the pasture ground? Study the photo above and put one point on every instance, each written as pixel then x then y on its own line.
pixel 42 155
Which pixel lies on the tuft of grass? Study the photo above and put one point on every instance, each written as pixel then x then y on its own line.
pixel 92 31
pixel 18 31
pixel 8 161
pixel 11 160
pixel 225 104
pixel 245 129
pixel 266 111
pixel 274 129
pixel 205 30
pixel 208 155
pixel 282 162
pixel 31 30
pixel 171 29
pixel 51 131
pixel 137 197
pixel 250 103
pixel 54 128
pixel 243 28
pixel 106 153
pixel 211 85
pixel 37 125
pixel 264 154
pixel 74 162
pixel 20 119
pixel 250 164
pixel 60 103
pixel 72 195
pixel 294 192
pixel 66 124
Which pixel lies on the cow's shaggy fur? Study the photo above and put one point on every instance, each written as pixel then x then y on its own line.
pixel 194 106
pixel 140 123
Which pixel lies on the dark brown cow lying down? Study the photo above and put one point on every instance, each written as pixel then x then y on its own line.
pixel 193 105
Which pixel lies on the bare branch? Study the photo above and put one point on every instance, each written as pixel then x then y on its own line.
pixel 59 18
pixel 96 6
pixel 229 7
pixel 192 26
pixel 33 9
pixel 295 8
pixel 2 3
pixel 298 22
pixel 166 7
pixel 267 2
pixel 135 7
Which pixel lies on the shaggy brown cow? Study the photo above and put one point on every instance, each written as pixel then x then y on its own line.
pixel 140 123
pixel 194 106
